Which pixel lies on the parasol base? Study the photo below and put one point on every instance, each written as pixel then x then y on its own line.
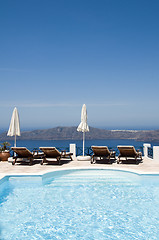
pixel 83 158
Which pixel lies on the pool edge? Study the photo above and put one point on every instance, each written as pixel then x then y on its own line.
pixel 43 173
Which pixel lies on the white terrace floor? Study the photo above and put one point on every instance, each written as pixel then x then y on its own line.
pixel 148 166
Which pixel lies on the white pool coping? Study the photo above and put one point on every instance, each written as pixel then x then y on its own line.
pixel 148 166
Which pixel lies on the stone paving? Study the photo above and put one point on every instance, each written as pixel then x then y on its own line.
pixel 147 166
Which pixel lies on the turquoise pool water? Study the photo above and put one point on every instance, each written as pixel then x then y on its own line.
pixel 80 204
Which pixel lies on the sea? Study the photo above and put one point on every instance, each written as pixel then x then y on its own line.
pixel 64 144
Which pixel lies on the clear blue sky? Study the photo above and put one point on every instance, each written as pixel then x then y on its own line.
pixel 56 55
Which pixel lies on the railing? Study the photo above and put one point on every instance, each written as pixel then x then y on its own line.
pixel 88 150
pixel 63 148
pixel 11 152
pixel 150 152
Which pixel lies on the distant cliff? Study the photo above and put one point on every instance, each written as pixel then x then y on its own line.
pixel 70 133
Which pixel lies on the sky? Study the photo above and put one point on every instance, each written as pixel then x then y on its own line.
pixel 56 55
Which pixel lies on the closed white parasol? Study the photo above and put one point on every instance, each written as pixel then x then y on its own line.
pixel 83 127
pixel 14 128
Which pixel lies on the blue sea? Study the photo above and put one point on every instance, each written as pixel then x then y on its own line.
pixel 64 144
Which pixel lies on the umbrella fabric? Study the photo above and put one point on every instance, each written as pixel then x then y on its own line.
pixel 83 127
pixel 14 128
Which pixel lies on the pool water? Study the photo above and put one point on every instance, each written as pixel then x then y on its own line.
pixel 80 204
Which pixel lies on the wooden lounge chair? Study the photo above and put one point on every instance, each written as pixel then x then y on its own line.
pixel 23 155
pixel 102 153
pixel 51 154
pixel 128 153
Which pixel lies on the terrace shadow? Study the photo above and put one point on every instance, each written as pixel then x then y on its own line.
pixel 130 161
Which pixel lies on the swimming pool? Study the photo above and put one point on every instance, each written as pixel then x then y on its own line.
pixel 80 204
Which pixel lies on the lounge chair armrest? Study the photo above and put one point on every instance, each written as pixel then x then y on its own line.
pixel 112 152
pixel 35 151
pixel 70 153
pixel 138 151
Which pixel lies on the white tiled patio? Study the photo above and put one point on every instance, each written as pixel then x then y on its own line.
pixel 147 166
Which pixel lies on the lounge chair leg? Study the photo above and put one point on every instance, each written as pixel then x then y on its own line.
pixel 92 160
pixel 58 160
pixel 141 157
pixel 13 163
pixel 43 160
pixel 30 163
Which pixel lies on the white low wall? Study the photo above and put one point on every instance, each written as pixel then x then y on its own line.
pixel 73 150
pixel 156 153
pixel 145 149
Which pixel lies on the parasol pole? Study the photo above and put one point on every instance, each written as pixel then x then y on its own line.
pixel 83 141
pixel 15 141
